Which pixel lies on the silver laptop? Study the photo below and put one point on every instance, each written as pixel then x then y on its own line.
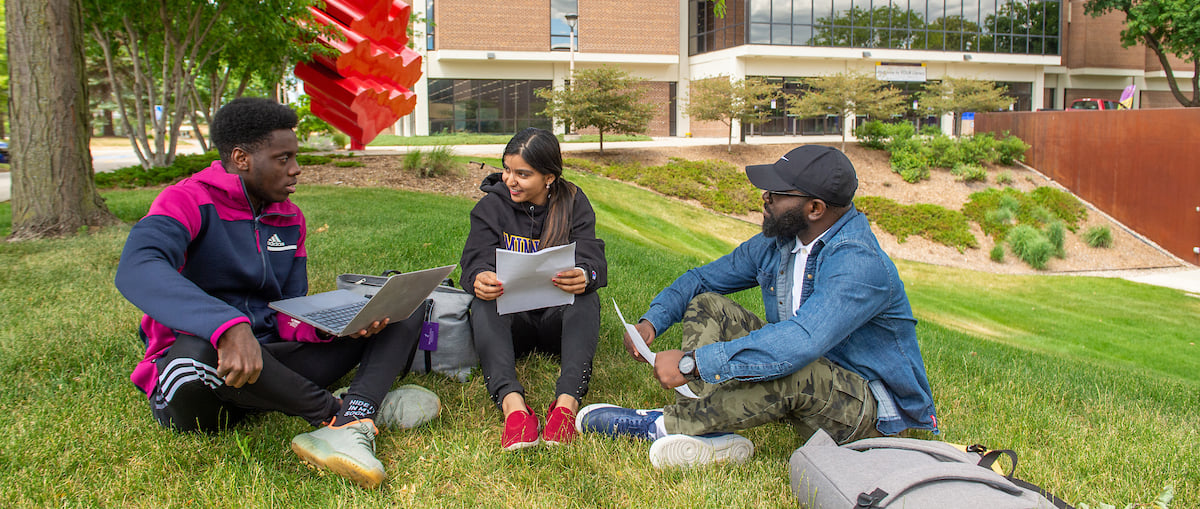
pixel 342 312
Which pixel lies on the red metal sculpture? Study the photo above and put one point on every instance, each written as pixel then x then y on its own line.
pixel 367 87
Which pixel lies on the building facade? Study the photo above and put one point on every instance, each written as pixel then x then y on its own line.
pixel 485 58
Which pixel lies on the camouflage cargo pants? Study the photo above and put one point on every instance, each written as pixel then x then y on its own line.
pixel 821 395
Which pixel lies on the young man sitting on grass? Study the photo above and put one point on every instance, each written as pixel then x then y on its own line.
pixel 204 263
pixel 838 350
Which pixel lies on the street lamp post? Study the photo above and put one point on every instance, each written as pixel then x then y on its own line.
pixel 572 21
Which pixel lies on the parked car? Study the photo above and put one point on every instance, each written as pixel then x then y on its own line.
pixel 1089 103
pixel 3 151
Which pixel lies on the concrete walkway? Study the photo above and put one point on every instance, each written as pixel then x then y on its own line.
pixel 1185 277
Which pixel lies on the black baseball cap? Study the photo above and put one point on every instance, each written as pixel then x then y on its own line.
pixel 824 172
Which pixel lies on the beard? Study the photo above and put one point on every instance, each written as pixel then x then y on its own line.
pixel 790 223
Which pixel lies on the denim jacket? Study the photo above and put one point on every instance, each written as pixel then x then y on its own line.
pixel 854 312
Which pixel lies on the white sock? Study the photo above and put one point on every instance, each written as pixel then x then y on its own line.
pixel 660 427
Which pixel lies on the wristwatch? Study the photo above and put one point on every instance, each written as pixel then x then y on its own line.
pixel 687 366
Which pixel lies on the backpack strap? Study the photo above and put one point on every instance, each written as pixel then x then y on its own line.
pixel 892 486
pixel 939 450
pixel 991 456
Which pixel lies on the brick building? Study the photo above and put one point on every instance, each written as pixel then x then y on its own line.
pixel 485 58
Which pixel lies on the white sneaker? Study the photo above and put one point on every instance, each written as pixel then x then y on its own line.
pixel 690 450
pixel 348 450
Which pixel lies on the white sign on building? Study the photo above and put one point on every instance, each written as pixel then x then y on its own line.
pixel 899 72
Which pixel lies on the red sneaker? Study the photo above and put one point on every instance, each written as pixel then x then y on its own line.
pixel 520 430
pixel 560 425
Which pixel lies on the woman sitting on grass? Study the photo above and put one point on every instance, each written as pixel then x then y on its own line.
pixel 528 207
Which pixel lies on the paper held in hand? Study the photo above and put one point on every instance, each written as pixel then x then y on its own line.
pixel 527 278
pixel 643 349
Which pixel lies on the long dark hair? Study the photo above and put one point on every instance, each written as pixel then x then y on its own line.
pixel 539 148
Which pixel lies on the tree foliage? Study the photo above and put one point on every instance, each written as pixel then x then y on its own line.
pixel 1167 27
pixel 956 95
pixel 171 45
pixel 849 93
pixel 725 100
pixel 605 98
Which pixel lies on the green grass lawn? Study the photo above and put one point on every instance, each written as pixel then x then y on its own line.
pixel 1094 382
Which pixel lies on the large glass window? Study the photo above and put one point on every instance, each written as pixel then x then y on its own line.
pixel 485 106
pixel 560 30
pixel 1002 26
pixel 708 32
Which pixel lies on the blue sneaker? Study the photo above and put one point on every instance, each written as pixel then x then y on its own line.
pixel 617 421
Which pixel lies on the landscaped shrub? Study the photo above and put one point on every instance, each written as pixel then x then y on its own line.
pixel 440 161
pixel 1056 233
pixel 312 160
pixel 412 160
pixel 969 172
pixel 943 151
pixel 933 222
pixel 1037 208
pixel 348 164
pixel 931 130
pixel 898 133
pixel 1061 204
pixel 978 149
pixel 1098 236
pixel 1030 245
pixel 997 253
pixel 718 185
pixel 1005 178
pixel 340 140
pixel 1011 150
pixel 583 165
pixel 1001 215
pixel 911 165
pixel 871 134
pixel 136 176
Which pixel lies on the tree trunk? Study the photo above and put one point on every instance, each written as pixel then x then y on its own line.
pixel 107 126
pixel 54 192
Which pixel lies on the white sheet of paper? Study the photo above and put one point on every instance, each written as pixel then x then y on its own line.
pixel 526 278
pixel 644 349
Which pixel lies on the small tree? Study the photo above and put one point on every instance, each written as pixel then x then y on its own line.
pixel 606 98
pixel 725 100
pixel 171 45
pixel 846 94
pixel 963 94
pixel 1167 27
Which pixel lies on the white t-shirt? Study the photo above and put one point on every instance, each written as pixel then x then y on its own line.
pixel 801 252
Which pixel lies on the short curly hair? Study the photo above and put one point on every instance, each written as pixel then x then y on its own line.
pixel 248 122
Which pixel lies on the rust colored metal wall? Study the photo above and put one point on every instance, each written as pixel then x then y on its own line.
pixel 1142 167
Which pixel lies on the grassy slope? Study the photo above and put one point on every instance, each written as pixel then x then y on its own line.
pixel 1092 381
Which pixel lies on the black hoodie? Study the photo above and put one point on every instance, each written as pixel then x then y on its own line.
pixel 499 222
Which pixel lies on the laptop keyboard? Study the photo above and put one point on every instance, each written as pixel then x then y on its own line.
pixel 336 318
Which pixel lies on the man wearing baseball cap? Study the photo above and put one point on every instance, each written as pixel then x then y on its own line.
pixel 838 348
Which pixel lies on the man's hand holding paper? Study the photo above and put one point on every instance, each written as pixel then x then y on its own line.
pixel 637 337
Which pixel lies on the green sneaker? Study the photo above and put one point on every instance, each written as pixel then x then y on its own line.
pixel 348 450
pixel 408 406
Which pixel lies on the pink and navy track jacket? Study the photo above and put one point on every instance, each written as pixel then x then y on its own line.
pixel 200 262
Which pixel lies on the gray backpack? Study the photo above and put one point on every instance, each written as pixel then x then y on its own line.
pixel 906 473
